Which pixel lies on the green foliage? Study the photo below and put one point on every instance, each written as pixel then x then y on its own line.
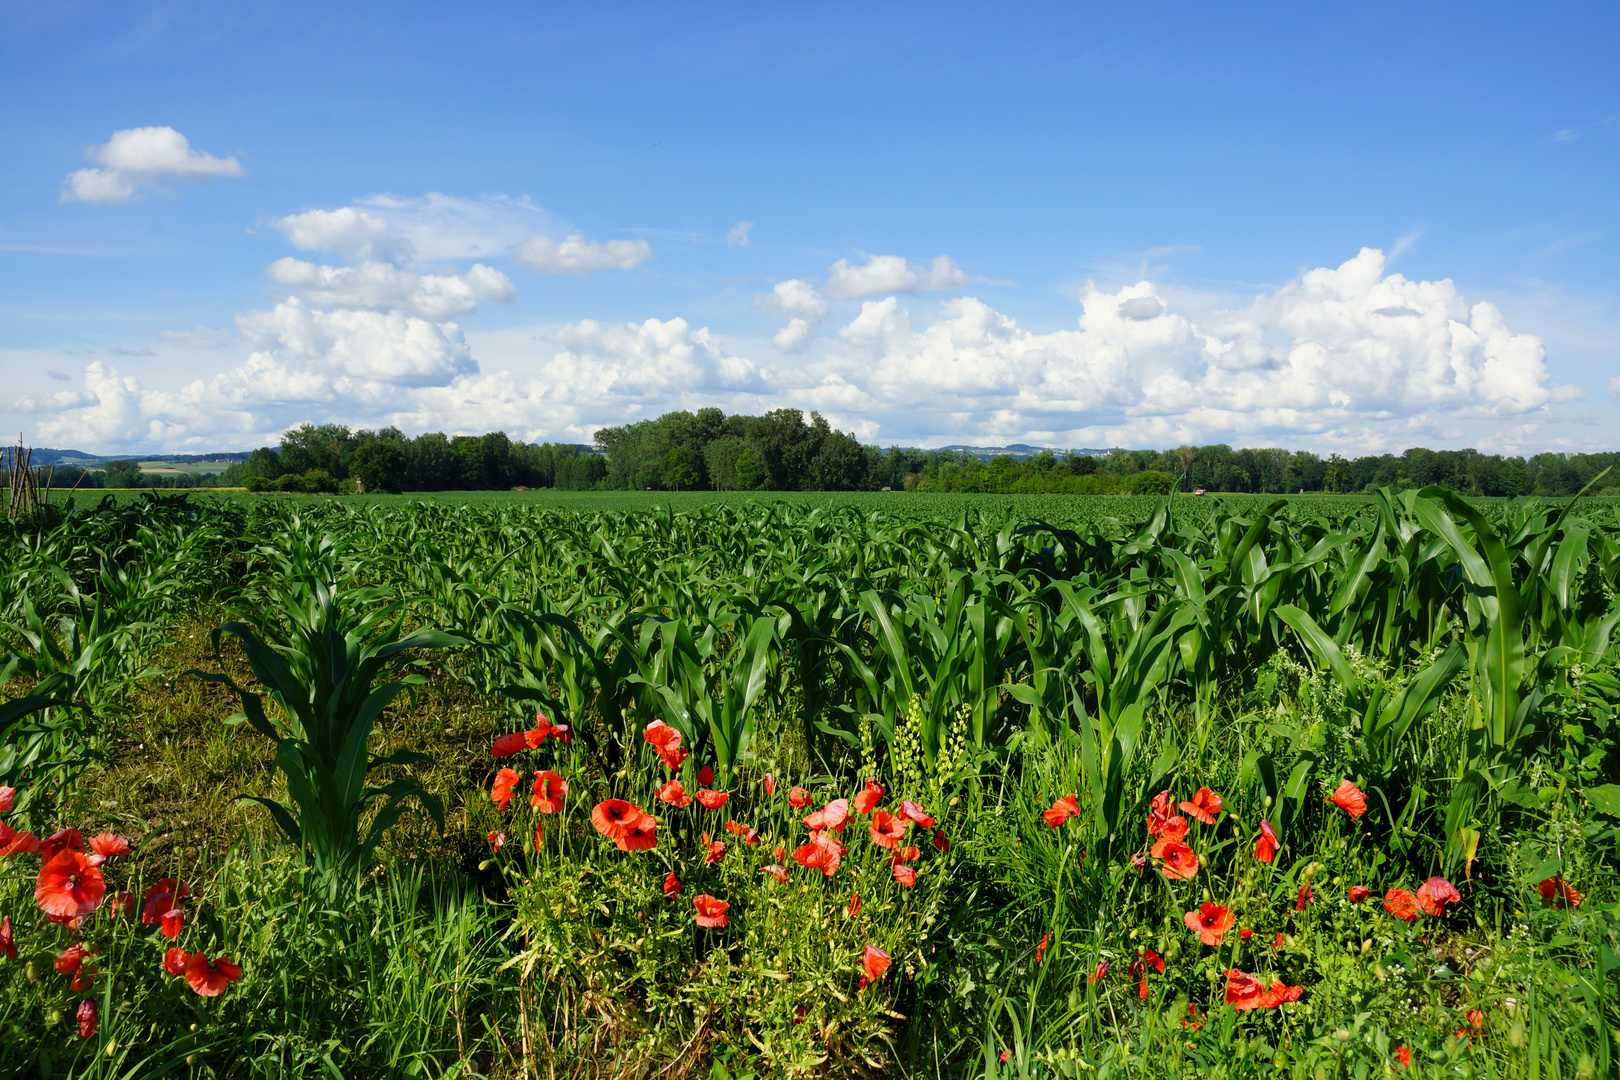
pixel 318 649
pixel 381 465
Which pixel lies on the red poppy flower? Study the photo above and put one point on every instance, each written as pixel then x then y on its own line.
pixel 710 912
pixel 87 1018
pixel 507 745
pixel 614 818
pixel 1279 942
pixel 1266 845
pixel 915 812
pixel 853 908
pixel 666 743
pixel 1359 893
pixel 1403 1056
pixel 798 798
pixel 562 733
pixel 778 872
pixel 1559 893
pixel 173 921
pixel 174 961
pixel 1401 904
pixel 770 786
pixel 1433 896
pixel 909 853
pixel 886 829
pixel 1179 861
pixel 1244 992
pixel 1245 933
pixel 82 980
pixel 1062 810
pixel 1204 806
pixel 69 885
pixel 1210 922
pixel 905 875
pixel 1159 808
pixel 1349 798
pixel 641 836
pixel 868 797
pixel 874 962
pixel 1305 897
pixel 539 835
pixel 1100 973
pixel 940 843
pixel 706 776
pixel 1280 994
pixel 60 840
pixel 1174 828
pixel 537 734
pixel 1476 1019
pixel 210 977
pixel 672 884
pixel 8 943
pixel 497 840
pixel 832 816
pixel 107 845
pixel 778 852
pixel 712 800
pixel 71 959
pixel 716 850
pixel 13 842
pixel 1139 862
pixel 1041 946
pixel 821 853
pixel 163 895
pixel 675 794
pixel 547 792
pixel 1150 960
pixel 1192 1021
pixel 8 799
pixel 501 792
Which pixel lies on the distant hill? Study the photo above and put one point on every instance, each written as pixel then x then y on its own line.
pixel 1024 450
pixel 45 456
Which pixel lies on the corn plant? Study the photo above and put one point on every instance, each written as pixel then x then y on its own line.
pixel 318 653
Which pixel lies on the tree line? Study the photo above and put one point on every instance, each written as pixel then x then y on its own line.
pixel 782 450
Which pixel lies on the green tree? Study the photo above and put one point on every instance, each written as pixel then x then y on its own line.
pixel 122 473
pixel 751 476
pixel 380 465
pixel 318 446
pixel 680 470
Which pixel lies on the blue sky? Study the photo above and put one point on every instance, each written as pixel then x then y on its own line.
pixel 1349 229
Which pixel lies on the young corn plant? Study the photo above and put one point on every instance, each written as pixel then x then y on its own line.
pixel 319 654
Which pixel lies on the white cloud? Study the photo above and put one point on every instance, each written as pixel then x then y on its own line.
pixel 142 159
pixel 1614 388
pixel 1350 358
pixel 440 226
pixel 378 286
pixel 891 274
pixel 802 305
pixel 737 236
pixel 354 234
pixel 576 255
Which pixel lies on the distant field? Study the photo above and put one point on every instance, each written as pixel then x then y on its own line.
pixel 1058 509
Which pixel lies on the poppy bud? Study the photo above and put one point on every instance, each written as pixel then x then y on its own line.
pixel 87 1018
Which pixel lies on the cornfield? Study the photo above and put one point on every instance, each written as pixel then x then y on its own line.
pixel 1453 660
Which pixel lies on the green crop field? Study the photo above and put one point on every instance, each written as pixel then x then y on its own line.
pixel 692 784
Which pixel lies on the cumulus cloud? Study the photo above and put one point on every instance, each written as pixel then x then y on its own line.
pixel 798 301
pixel 379 286
pixel 138 160
pixel 576 255
pixel 891 274
pixel 737 236
pixel 1349 357
pixel 347 231
pixel 1364 351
